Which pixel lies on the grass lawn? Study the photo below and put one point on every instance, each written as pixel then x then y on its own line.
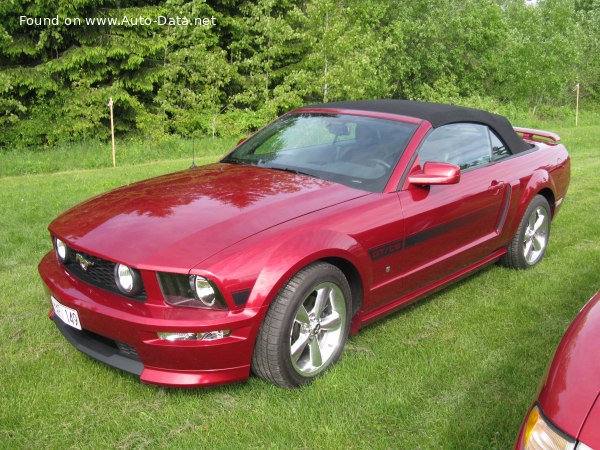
pixel 457 370
pixel 96 154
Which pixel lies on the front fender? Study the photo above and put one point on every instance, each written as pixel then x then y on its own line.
pixel 300 250
pixel 263 264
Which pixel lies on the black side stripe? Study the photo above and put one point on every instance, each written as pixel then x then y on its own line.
pixel 438 230
pixel 389 248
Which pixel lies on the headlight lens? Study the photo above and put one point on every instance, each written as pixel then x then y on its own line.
pixel 62 251
pixel 193 291
pixel 203 290
pixel 128 280
pixel 540 434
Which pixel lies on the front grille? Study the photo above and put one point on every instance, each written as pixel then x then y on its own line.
pixel 100 273
pixel 103 349
pixel 122 348
pixel 127 350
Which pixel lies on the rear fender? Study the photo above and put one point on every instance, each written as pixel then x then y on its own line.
pixel 540 180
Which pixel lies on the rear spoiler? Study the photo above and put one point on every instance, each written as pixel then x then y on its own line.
pixel 530 134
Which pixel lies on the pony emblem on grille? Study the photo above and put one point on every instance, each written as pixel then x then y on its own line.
pixel 84 263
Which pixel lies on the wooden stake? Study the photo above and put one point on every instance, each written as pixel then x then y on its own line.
pixel 577 106
pixel 112 131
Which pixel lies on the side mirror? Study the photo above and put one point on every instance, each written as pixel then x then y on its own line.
pixel 436 173
pixel 242 140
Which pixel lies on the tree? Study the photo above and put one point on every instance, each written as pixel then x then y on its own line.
pixel 59 77
pixel 195 73
pixel 588 46
pixel 350 41
pixel 538 60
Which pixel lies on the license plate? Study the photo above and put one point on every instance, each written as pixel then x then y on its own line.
pixel 66 314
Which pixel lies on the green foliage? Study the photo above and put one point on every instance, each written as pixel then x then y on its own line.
pixel 588 63
pixel 546 51
pixel 261 58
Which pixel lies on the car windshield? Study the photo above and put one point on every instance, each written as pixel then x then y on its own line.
pixel 356 151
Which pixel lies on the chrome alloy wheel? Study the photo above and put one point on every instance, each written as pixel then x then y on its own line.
pixel 318 329
pixel 535 237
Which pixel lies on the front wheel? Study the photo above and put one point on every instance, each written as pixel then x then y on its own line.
pixel 531 239
pixel 306 327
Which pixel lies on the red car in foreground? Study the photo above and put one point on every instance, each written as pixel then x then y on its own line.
pixel 566 414
pixel 327 219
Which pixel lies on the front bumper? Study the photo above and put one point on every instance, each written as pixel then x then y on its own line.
pixel 121 332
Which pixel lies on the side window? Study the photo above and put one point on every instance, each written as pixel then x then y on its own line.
pixel 464 144
pixel 499 149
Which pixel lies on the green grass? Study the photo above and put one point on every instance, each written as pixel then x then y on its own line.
pixel 96 154
pixel 457 370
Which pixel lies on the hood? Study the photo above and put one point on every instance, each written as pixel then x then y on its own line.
pixel 590 434
pixel 573 380
pixel 176 221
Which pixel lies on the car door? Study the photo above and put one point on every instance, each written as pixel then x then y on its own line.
pixel 449 227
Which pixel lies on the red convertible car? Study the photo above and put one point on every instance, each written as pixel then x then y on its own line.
pixel 327 219
pixel 566 414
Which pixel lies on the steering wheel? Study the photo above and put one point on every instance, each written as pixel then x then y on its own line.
pixel 377 162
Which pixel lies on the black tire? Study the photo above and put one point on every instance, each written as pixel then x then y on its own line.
pixel 529 244
pixel 297 331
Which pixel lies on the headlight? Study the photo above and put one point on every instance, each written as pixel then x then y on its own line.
pixel 62 251
pixel 203 290
pixel 128 280
pixel 193 291
pixel 541 434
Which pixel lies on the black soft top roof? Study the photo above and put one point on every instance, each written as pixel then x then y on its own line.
pixel 437 114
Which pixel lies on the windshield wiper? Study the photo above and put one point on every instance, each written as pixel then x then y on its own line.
pixel 294 171
pixel 234 160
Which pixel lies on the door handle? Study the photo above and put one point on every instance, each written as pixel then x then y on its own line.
pixel 496 186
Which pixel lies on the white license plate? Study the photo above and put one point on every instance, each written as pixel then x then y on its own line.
pixel 66 314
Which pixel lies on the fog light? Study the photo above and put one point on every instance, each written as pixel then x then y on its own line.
pixel 62 251
pixel 128 280
pixel 206 336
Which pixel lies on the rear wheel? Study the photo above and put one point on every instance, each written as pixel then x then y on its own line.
pixel 306 327
pixel 531 239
